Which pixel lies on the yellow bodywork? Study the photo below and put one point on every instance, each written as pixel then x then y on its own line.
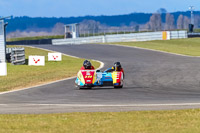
pixel 81 78
pixel 94 78
pixel 114 77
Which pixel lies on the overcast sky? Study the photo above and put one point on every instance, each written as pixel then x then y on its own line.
pixel 68 8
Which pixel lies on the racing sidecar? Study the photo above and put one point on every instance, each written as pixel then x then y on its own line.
pixel 92 78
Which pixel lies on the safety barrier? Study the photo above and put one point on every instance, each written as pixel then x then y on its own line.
pixel 17 55
pixel 29 42
pixel 147 36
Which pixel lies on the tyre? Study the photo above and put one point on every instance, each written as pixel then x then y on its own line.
pixel 118 86
pixel 81 88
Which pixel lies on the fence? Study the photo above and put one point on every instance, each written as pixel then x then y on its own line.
pixel 147 36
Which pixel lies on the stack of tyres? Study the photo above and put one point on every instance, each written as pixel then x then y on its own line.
pixel 18 56
pixel 8 54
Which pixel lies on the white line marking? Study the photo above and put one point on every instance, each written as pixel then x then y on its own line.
pixel 101 66
pixel 107 105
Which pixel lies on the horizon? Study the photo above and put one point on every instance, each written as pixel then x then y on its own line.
pixel 97 15
pixel 70 8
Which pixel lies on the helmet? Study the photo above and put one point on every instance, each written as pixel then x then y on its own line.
pixel 87 64
pixel 117 66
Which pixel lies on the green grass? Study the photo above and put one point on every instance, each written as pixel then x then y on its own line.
pixel 21 76
pixel 197 30
pixel 35 38
pixel 190 46
pixel 182 121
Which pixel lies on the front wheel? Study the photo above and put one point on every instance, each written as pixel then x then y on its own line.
pixel 80 88
pixel 118 86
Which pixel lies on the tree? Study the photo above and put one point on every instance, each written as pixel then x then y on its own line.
pixel 58 29
pixel 180 22
pixel 196 21
pixel 186 22
pixel 183 22
pixel 89 26
pixel 169 24
pixel 161 11
pixel 155 22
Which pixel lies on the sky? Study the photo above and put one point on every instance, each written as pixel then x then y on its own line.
pixel 74 8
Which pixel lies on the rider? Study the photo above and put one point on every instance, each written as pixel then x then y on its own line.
pixel 87 65
pixel 117 67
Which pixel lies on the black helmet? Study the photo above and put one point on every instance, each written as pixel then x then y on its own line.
pixel 87 64
pixel 117 66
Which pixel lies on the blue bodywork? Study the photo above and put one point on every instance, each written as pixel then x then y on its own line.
pixel 102 79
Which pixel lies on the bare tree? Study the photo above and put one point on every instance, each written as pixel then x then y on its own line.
pixel 155 22
pixel 169 25
pixel 196 21
pixel 180 22
pixel 58 29
pixel 89 25
pixel 186 21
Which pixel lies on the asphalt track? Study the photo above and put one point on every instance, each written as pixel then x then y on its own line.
pixel 154 81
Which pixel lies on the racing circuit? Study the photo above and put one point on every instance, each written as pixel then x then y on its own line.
pixel 153 81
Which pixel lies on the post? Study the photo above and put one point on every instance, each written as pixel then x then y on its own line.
pixel 3 65
pixel 191 25
pixel 192 15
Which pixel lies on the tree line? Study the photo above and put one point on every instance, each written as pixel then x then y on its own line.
pixel 23 26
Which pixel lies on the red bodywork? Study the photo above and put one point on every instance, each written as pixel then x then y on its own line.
pixel 118 77
pixel 88 76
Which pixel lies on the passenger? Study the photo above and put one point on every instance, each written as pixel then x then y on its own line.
pixel 87 65
pixel 117 67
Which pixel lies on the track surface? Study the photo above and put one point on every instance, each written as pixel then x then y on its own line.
pixel 154 81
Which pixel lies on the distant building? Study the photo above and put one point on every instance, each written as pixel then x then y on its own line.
pixel 72 30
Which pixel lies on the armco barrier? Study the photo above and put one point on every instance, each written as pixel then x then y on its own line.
pixel 192 35
pixel 178 34
pixel 28 42
pixel 78 40
pixel 147 36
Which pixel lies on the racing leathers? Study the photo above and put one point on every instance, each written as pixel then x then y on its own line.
pixel 113 69
pixel 83 68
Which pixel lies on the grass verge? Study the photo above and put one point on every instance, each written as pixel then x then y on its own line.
pixel 183 121
pixel 189 46
pixel 25 76
pixel 35 38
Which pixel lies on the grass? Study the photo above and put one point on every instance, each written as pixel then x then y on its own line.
pixel 190 46
pixel 21 76
pixel 35 38
pixel 182 121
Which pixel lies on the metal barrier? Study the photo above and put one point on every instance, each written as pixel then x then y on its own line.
pixel 29 42
pixel 17 55
pixel 191 35
pixel 147 36
pixel 178 34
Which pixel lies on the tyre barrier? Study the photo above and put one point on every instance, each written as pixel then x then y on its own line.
pixel 17 56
